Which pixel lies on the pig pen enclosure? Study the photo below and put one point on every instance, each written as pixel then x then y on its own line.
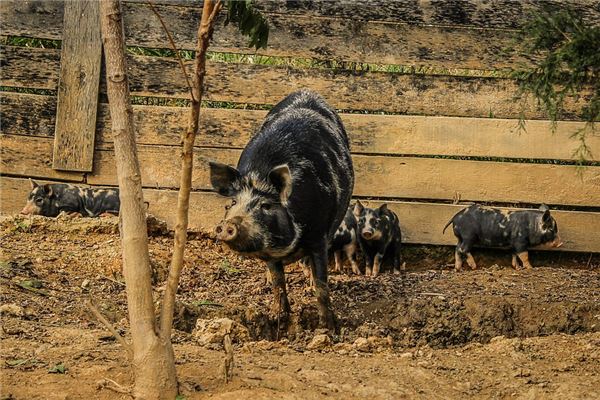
pixel 424 92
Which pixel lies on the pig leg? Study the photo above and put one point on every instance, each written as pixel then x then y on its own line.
pixel 471 261
pixel 351 254
pixel 280 303
pixel 377 263
pixel 524 257
pixel 338 261
pixel 515 261
pixel 397 259
pixel 458 259
pixel 319 270
pixel 368 265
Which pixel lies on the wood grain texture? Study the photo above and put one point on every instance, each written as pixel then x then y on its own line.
pixel 260 84
pixel 376 176
pixel 79 81
pixel 420 222
pixel 31 157
pixel 24 114
pixel 504 14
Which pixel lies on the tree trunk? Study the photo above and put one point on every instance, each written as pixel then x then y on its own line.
pixel 153 360
pixel 207 22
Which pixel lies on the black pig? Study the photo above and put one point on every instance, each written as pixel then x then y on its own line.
pixel 345 239
pixel 517 230
pixel 379 237
pixel 51 199
pixel 289 193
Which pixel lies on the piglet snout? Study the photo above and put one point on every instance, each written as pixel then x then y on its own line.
pixel 226 231
pixel 367 234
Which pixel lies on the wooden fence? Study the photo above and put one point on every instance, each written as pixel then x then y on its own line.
pixel 429 113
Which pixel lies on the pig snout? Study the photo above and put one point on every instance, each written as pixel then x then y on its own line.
pixel 227 230
pixel 367 234
pixel 556 242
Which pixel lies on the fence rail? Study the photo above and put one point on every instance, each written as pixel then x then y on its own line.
pixel 418 139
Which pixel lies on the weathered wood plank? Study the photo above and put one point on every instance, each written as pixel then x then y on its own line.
pixel 29 67
pixel 260 84
pixel 79 77
pixel 467 13
pixel 24 114
pixel 403 177
pixel 421 222
pixel 376 176
pixel 342 39
pixel 31 157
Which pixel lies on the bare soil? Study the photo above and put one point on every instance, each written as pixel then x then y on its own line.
pixel 428 333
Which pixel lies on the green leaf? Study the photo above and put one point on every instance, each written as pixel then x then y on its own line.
pixel 180 397
pixel 16 363
pixel 58 369
pixel 250 22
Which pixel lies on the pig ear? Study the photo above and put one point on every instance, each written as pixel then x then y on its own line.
pixel 358 209
pixel 546 218
pixel 47 188
pixel 222 178
pixel 383 207
pixel 33 183
pixel 544 208
pixel 281 178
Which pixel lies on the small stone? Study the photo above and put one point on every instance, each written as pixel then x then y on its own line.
pixel 12 309
pixel 362 344
pixel 213 331
pixel 319 342
pixel 85 284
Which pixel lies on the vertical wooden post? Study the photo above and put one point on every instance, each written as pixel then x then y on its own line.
pixel 79 81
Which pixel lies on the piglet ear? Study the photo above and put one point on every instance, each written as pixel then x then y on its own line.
pixel 383 207
pixel 281 178
pixel 33 183
pixel 546 218
pixel 544 208
pixel 47 188
pixel 223 177
pixel 358 209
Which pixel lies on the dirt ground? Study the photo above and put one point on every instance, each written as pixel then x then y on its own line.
pixel 430 333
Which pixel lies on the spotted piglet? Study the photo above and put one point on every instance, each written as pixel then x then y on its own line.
pixel 517 230
pixel 379 237
pixel 51 199
pixel 345 239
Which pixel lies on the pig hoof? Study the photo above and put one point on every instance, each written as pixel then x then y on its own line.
pixel 327 321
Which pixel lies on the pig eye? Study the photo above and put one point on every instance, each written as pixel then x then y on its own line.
pixel 39 201
pixel 265 206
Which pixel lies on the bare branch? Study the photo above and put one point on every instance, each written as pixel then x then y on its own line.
pixel 106 383
pixel 173 46
pixel 205 30
pixel 92 307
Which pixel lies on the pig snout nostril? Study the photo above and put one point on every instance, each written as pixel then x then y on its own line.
pixel 219 229
pixel 230 231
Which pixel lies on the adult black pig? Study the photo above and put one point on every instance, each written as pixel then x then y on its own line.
pixel 290 191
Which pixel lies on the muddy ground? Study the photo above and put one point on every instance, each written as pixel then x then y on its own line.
pixel 430 333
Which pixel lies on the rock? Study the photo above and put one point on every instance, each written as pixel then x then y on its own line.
pixel 85 284
pixel 362 344
pixel 209 331
pixel 319 342
pixel 12 309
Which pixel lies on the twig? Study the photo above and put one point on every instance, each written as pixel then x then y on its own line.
pixel 89 303
pixel 228 362
pixel 109 384
pixel 431 294
pixel 174 47
pixel 112 280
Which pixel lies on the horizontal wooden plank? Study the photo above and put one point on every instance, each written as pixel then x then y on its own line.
pixel 420 222
pixel 32 157
pixel 24 114
pixel 339 39
pixel 376 176
pixel 261 84
pixel 466 13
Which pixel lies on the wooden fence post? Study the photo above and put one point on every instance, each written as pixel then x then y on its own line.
pixel 79 81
